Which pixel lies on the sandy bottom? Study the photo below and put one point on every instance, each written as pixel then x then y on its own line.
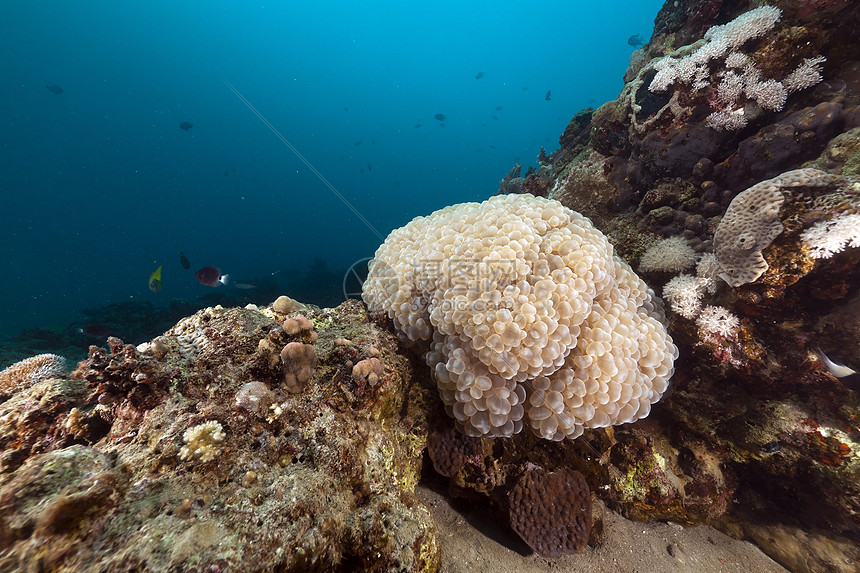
pixel 472 541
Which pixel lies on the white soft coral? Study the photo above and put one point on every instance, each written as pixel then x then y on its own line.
pixel 671 255
pixel 684 293
pixel 717 320
pixel 827 238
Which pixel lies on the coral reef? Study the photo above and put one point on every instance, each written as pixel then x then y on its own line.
pixel 191 453
pixel 755 434
pixel 737 135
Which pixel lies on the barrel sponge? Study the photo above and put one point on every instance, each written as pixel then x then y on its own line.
pixel 527 315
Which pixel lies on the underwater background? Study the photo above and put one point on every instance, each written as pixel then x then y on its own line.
pixel 101 185
pixel 152 418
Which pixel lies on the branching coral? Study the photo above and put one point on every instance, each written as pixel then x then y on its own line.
pixel 718 41
pixel 30 371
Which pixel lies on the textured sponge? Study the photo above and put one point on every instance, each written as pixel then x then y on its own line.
pixel 527 315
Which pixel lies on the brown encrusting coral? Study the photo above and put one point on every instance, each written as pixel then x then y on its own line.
pixel 551 511
pixel 449 450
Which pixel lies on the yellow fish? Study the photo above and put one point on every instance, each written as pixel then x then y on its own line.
pixel 155 280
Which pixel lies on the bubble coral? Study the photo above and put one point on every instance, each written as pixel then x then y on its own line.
pixel 529 315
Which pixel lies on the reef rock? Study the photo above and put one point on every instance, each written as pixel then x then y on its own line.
pixel 194 452
pixel 724 99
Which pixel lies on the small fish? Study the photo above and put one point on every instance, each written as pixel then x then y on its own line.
pixel 186 125
pixel 635 40
pixel 771 447
pixel 479 75
pixel 417 125
pixel 369 168
pixel 439 117
pixel 95 330
pixel 211 276
pixel 244 285
pixel 495 117
pixel 525 89
pixel 183 260
pixel 548 94
pixel 838 370
pixel 155 280
pixel 345 108
pixel 357 143
pixel 498 108
pixel 54 89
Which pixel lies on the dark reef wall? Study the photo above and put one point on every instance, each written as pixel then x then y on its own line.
pixel 755 424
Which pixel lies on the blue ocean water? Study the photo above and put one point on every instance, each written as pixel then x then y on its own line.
pixel 100 185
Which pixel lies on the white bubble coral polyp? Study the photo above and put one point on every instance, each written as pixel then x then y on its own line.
pixel 530 316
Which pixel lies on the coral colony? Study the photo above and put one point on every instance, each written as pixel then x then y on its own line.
pixel 513 342
pixel 542 336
